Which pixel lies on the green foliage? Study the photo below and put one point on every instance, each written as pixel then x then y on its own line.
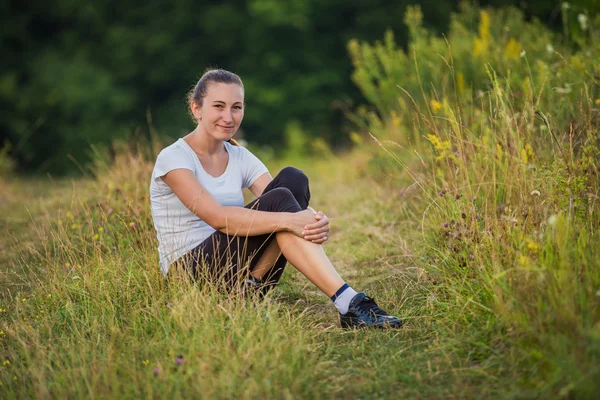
pixel 80 76
pixel 75 76
pixel 505 153
pixel 457 68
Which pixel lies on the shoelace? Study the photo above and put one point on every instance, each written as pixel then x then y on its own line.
pixel 368 304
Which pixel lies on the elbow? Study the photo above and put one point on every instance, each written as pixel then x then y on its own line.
pixel 214 219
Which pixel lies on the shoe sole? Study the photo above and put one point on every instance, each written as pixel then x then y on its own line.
pixel 383 325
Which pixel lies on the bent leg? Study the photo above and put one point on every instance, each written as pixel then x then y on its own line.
pixel 231 258
pixel 310 259
pixel 296 181
pixel 272 262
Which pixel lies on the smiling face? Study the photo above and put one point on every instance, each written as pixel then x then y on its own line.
pixel 221 111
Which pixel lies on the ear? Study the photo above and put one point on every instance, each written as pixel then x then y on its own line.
pixel 196 110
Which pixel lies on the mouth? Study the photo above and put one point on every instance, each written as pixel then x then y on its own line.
pixel 226 128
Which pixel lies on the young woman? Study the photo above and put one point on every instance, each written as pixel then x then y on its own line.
pixel 204 227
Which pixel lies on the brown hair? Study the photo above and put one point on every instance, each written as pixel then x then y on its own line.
pixel 212 75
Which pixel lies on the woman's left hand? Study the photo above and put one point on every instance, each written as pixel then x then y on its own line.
pixel 319 231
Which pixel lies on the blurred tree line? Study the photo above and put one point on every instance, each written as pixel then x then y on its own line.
pixel 78 73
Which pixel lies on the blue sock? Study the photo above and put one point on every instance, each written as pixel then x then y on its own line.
pixel 341 299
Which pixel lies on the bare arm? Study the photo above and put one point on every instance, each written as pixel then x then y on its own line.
pixel 260 184
pixel 231 220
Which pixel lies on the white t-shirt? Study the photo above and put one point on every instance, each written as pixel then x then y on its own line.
pixel 178 229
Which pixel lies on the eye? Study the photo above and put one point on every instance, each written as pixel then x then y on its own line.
pixel 218 105
pixel 238 107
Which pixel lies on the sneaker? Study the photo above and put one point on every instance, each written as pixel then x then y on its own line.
pixel 363 312
pixel 253 287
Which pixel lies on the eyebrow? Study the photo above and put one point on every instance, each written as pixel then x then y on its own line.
pixel 221 101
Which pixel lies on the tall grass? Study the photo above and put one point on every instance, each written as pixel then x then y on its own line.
pixel 100 320
pixel 510 177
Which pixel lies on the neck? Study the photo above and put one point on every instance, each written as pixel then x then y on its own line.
pixel 203 144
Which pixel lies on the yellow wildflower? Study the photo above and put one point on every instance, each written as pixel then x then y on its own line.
pixel 145 362
pixel 436 105
pixel 101 229
pixel 479 47
pixel 6 362
pixel 529 150
pixel 533 246
pixel 512 51
pixel 523 260
pixel 435 141
pixel 597 102
pixel 482 42
pixel 96 236
pixel 484 25
pixel 524 156
pixel 442 147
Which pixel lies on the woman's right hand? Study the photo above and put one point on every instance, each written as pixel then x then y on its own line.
pixel 298 221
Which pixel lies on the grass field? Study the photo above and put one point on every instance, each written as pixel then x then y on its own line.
pixel 86 313
pixel 471 211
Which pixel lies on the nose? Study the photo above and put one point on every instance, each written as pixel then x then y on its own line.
pixel 227 116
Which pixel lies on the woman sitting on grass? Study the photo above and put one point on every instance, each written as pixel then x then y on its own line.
pixel 204 228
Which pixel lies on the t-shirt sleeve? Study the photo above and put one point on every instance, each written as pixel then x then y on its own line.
pixel 252 167
pixel 170 159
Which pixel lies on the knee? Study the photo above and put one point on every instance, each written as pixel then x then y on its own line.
pixel 280 199
pixel 280 193
pixel 292 174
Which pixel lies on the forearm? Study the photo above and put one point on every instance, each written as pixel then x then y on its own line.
pixel 239 221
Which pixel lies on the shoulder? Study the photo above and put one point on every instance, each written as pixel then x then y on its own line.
pixel 173 157
pixel 238 152
pixel 176 151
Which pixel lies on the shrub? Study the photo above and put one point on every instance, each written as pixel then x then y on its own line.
pixel 503 116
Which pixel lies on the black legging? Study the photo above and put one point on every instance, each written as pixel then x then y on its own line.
pixel 230 257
